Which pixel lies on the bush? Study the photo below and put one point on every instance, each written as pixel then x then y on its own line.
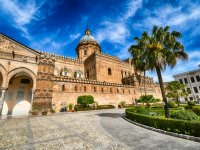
pixel 105 107
pixel 196 110
pixel 122 104
pixel 168 124
pixel 142 111
pixel 184 115
pixel 172 104
pixel 191 103
pixel 85 100
pixel 82 108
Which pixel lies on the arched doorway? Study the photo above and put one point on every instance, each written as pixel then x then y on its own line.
pixel 18 97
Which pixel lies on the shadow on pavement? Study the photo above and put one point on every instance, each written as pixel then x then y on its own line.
pixel 112 115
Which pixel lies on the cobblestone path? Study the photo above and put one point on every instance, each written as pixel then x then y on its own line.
pixel 94 130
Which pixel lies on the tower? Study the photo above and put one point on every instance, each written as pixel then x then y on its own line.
pixel 87 46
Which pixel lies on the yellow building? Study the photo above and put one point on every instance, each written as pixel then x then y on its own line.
pixel 28 75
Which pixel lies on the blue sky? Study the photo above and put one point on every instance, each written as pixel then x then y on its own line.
pixel 57 26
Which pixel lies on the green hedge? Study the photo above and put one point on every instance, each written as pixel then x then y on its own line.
pixel 85 100
pixel 168 124
pixel 196 110
pixel 82 108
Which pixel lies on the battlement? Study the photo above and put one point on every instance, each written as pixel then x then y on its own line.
pixel 61 57
pixel 88 81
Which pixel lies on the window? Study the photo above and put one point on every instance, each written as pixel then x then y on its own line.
pixel 95 89
pixel 85 52
pixel 63 87
pixel 109 71
pixel 25 81
pixel 117 90
pixel 188 90
pixel 85 89
pixel 195 89
pixel 102 90
pixel 198 78
pixel 185 80
pixel 123 90
pixel 181 81
pixel 110 90
pixel 129 91
pixel 192 79
pixel 75 88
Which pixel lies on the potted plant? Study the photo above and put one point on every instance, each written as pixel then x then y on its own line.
pixel 71 108
pixel 34 112
pixel 44 112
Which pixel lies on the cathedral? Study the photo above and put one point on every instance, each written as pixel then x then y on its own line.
pixel 28 75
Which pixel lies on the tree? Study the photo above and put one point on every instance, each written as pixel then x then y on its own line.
pixel 85 100
pixel 147 99
pixel 176 90
pixel 138 59
pixel 159 50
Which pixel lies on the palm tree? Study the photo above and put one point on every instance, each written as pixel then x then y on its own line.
pixel 137 52
pixel 161 49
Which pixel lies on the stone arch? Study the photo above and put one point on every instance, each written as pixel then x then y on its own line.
pixel 3 73
pixel 19 70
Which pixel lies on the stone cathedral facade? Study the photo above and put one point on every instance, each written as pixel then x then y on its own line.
pixel 28 75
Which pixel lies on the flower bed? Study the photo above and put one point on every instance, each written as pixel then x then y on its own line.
pixel 168 124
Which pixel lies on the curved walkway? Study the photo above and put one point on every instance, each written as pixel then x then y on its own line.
pixel 139 138
pixel 104 129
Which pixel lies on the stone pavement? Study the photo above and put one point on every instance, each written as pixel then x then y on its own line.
pixel 104 129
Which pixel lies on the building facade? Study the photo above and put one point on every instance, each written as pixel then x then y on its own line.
pixel 192 80
pixel 28 75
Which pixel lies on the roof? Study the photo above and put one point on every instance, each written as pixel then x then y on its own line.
pixel 187 72
pixel 88 38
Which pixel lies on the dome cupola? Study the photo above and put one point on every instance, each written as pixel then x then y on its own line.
pixel 87 46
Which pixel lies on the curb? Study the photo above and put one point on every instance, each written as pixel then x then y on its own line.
pixel 183 136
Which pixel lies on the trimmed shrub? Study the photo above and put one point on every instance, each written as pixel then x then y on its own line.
pixel 168 124
pixel 196 110
pixel 105 107
pixel 142 111
pixel 82 108
pixel 191 103
pixel 172 104
pixel 184 115
pixel 85 100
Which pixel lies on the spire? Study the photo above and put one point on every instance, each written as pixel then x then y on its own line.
pixel 87 31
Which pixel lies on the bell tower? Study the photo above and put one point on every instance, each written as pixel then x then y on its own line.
pixel 87 46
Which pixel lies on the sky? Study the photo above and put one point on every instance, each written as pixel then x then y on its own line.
pixel 57 26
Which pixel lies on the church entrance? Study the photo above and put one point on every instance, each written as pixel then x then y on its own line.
pixel 18 96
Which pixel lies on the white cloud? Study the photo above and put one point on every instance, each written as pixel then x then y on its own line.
pixel 22 14
pixel 116 30
pixel 74 36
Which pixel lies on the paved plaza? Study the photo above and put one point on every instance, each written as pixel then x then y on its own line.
pixel 90 130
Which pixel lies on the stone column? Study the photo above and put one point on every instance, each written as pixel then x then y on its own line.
pixel 2 99
pixel 32 96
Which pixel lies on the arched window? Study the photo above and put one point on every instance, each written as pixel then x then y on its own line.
pixel 110 90
pixel 109 71
pixel 123 90
pixel 85 52
pixel 102 89
pixel 85 89
pixel 117 90
pixel 63 87
pixel 95 89
pixel 65 72
pixel 75 88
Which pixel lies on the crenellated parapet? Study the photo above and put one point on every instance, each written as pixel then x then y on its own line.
pixel 87 81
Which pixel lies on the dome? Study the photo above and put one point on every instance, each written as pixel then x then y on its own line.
pixel 87 38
